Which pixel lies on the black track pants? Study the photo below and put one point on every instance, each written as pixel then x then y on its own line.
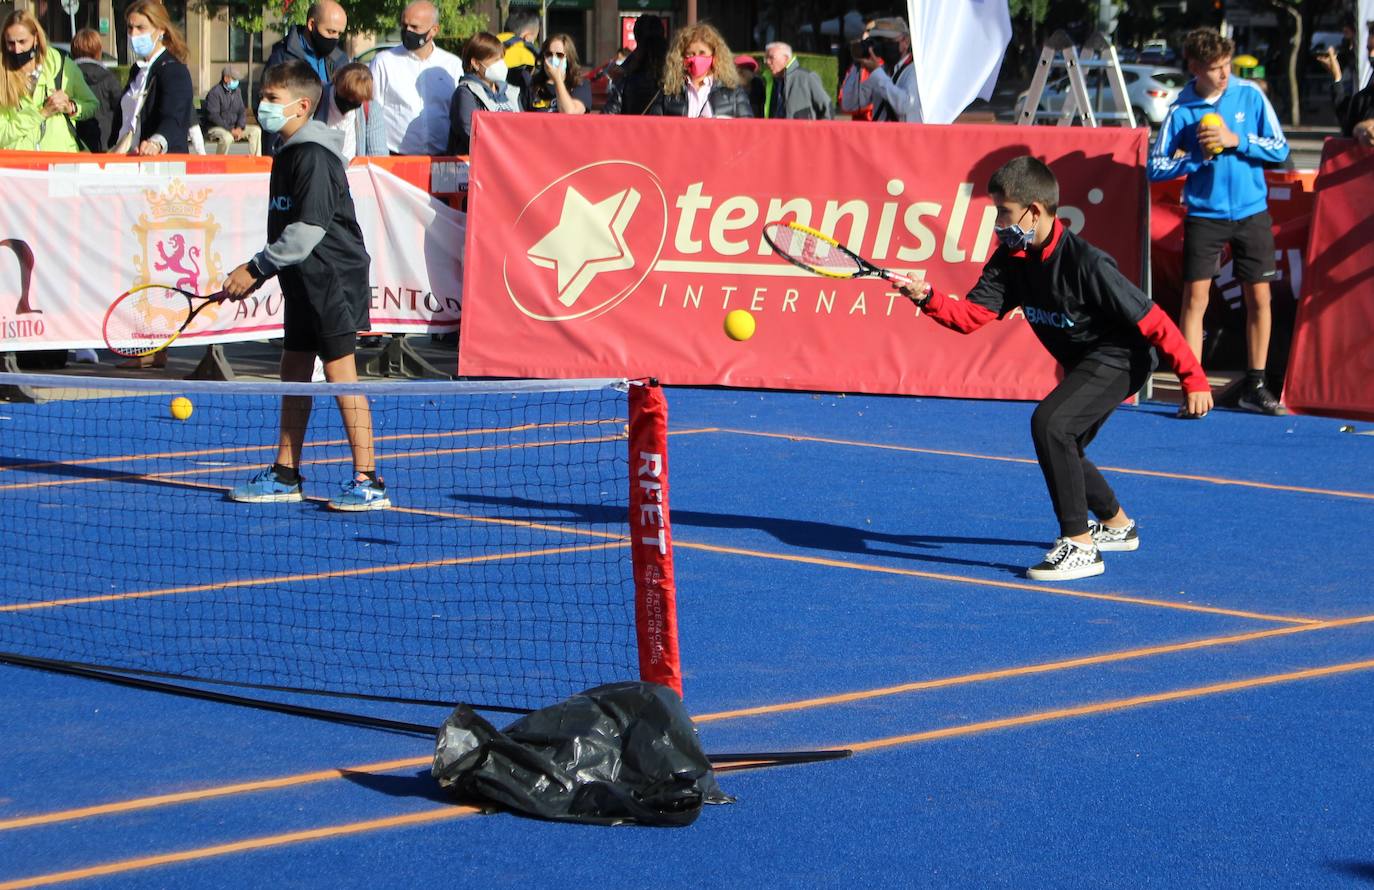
pixel 1063 425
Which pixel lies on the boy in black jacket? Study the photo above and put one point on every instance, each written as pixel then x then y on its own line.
pixel 315 249
pixel 1098 326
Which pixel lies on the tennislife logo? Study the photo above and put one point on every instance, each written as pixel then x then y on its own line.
pixel 589 240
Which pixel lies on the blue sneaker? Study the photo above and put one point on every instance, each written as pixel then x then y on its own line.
pixel 266 488
pixel 361 494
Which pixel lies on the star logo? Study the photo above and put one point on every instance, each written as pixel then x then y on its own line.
pixel 588 240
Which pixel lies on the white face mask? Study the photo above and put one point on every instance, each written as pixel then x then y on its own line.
pixel 497 72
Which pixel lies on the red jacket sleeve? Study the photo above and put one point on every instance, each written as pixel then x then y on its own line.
pixel 963 316
pixel 1162 333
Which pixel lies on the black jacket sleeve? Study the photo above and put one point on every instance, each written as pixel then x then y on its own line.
pixel 460 110
pixel 168 113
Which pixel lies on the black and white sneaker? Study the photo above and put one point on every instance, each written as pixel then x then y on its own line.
pixel 1066 561
pixel 1114 539
pixel 1261 401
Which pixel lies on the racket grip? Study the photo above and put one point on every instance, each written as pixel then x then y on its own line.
pixel 897 278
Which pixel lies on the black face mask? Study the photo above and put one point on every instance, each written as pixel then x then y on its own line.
pixel 322 45
pixel 412 41
pixel 19 60
pixel 346 105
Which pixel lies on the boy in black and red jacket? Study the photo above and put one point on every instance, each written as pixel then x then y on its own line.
pixel 1098 326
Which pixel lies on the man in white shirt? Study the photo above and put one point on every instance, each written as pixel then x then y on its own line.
pixel 891 83
pixel 414 84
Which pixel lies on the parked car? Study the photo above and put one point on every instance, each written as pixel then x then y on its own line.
pixel 1149 88
pixel 367 55
pixel 106 59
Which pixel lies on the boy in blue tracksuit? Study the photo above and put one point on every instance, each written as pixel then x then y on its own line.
pixel 1226 196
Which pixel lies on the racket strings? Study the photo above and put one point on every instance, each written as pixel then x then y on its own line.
pixel 812 251
pixel 144 320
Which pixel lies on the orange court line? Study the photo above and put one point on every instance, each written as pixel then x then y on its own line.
pixel 450 812
pixel 240 449
pixel 314 576
pixel 798 705
pixel 162 800
pixel 1107 706
pixel 156 476
pixel 985 582
pixel 257 843
pixel 1024 671
pixel 1215 480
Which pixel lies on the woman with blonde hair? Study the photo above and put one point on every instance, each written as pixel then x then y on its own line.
pixel 699 77
pixel 42 93
pixel 157 100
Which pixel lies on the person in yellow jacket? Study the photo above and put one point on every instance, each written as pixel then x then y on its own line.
pixel 520 42
pixel 42 92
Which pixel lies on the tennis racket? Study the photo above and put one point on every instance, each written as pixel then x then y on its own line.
pixel 150 317
pixel 820 254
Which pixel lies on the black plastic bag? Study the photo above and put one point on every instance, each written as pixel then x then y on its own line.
pixel 624 752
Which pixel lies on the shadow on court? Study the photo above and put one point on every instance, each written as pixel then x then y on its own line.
pixel 419 785
pixel 802 533
pixel 1353 868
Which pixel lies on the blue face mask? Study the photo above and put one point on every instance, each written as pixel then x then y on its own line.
pixel 232 85
pixel 1013 237
pixel 270 116
pixel 142 45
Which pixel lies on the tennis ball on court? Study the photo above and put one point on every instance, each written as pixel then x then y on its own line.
pixel 181 407
pixel 739 325
pixel 1212 119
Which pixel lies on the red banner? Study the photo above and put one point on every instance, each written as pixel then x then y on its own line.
pixel 620 252
pixel 651 539
pixel 1332 356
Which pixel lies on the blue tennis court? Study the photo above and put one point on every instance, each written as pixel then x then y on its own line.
pixel 850 575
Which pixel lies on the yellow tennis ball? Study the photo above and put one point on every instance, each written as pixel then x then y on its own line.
pixel 739 325
pixel 1212 119
pixel 181 408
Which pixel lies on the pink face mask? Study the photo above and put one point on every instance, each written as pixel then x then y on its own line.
pixel 698 66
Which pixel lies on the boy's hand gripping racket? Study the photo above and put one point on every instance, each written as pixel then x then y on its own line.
pixel 150 317
pixel 820 254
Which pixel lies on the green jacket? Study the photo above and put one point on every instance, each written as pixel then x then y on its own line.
pixel 24 128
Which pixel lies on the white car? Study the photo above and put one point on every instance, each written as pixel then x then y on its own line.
pixel 1151 89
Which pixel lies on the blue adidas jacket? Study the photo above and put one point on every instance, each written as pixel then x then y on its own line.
pixel 1229 185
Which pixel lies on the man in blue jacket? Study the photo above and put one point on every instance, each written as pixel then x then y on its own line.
pixel 1220 133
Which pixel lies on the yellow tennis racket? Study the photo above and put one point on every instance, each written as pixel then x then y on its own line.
pixel 818 253
pixel 149 318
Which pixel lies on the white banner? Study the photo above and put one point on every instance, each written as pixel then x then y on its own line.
pixel 75 237
pixel 957 48
pixel 1362 19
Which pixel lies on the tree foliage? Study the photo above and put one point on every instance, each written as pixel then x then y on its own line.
pixel 380 17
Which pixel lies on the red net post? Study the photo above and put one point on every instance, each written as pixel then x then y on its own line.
pixel 651 537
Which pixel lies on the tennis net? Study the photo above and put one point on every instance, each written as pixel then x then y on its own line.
pixel 504 574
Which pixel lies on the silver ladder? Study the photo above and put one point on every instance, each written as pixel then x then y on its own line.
pixel 1059 52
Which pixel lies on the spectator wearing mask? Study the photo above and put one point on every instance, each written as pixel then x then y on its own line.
pixel 415 84
pixel 157 102
pixel 482 88
pixel 890 85
pixel 798 93
pixel 520 41
pixel 643 70
pixel 97 132
pixel 748 69
pixel 316 42
pixel 559 85
pixel 1354 106
pixel 699 77
pixel 349 107
pixel 227 117
pixel 42 92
